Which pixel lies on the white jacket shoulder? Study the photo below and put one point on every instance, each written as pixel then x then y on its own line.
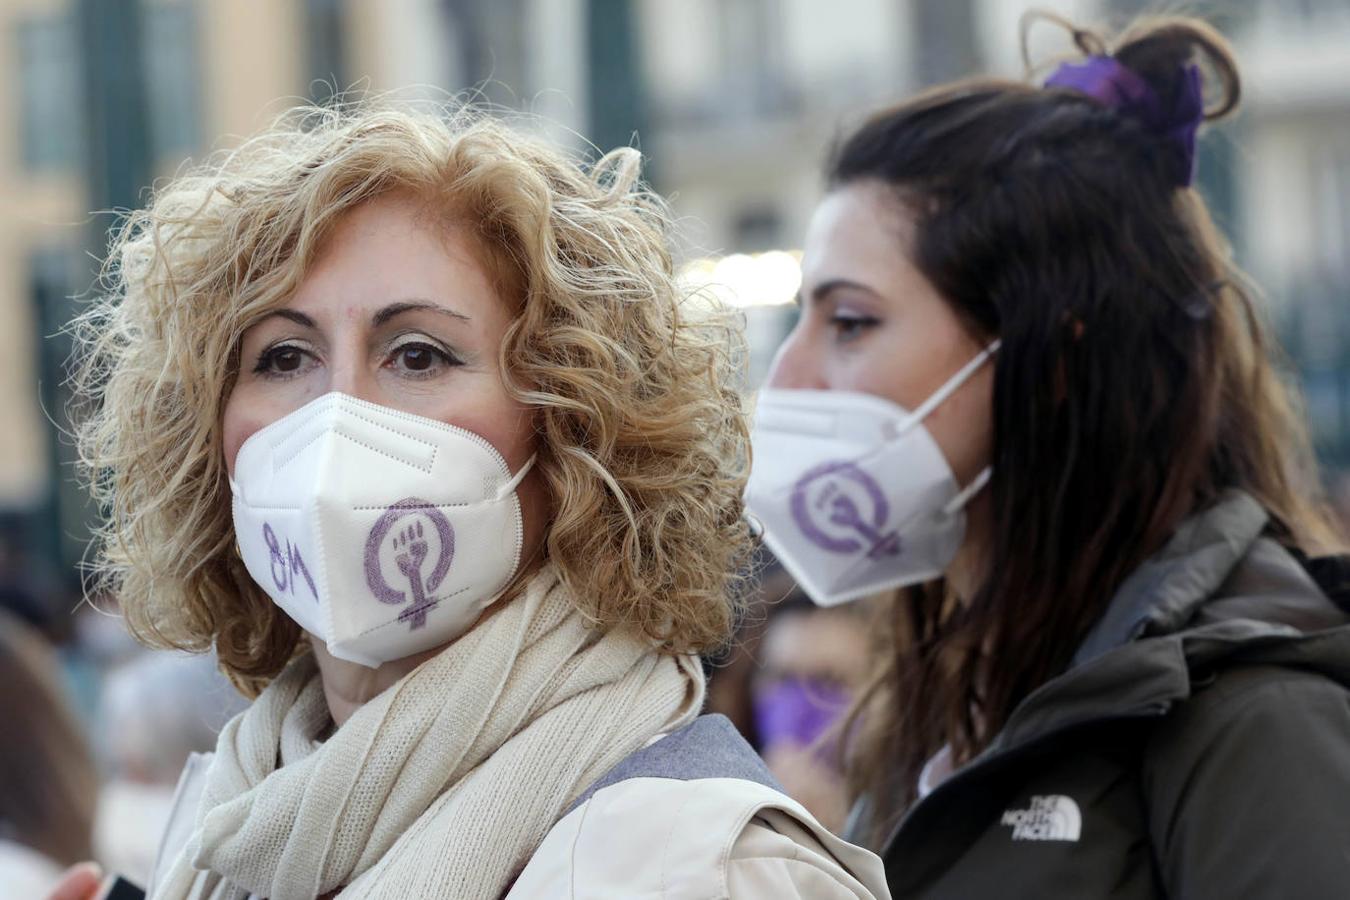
pixel 660 837
pixel 697 839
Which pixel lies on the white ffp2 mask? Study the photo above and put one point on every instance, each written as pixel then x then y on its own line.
pixel 853 493
pixel 380 532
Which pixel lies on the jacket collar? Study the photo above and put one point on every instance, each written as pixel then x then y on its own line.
pixel 1217 589
pixel 1164 593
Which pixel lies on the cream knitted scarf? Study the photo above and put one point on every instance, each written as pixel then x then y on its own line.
pixel 444 784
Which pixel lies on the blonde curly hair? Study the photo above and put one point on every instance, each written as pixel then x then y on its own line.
pixel 643 442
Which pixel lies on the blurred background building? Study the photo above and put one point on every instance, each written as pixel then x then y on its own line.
pixel 734 102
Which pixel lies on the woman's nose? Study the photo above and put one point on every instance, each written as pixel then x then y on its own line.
pixel 796 365
pixel 349 377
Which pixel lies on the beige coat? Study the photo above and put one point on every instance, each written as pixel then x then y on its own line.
pixel 660 837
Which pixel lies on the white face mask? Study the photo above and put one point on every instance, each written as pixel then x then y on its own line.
pixel 381 533
pixel 853 493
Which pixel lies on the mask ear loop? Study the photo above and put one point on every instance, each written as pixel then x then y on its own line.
pixel 958 502
pixel 510 486
pixel 234 492
pixel 953 384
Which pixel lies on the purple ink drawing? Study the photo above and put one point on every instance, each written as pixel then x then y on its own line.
pixel 287 565
pixel 840 508
pixel 408 549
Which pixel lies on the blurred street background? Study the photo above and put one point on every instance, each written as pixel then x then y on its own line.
pixel 734 103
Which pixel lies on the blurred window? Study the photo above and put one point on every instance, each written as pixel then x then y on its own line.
pixel 757 228
pixel 492 47
pixel 172 77
pixel 1308 12
pixel 52 278
pixel 1333 193
pixel 49 73
pixel 948 49
pixel 326 49
pixel 750 44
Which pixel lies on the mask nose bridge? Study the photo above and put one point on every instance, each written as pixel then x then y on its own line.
pixel 340 421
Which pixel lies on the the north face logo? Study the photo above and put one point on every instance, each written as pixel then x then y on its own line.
pixel 1052 818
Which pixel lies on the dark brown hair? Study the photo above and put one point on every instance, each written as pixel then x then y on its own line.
pixel 48 784
pixel 1134 383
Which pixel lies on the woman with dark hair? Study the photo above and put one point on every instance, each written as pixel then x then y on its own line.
pixel 1030 391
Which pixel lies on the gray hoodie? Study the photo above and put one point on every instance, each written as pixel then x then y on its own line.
pixel 1197 746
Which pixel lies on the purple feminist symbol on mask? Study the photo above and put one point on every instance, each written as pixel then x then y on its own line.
pixel 408 548
pixel 840 508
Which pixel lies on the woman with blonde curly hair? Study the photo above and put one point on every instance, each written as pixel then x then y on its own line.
pixel 403 414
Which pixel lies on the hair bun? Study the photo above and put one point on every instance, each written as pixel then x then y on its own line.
pixel 1158 72
pixel 1163 50
pixel 1116 86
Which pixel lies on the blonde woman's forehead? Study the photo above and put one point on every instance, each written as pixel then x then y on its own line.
pixel 386 255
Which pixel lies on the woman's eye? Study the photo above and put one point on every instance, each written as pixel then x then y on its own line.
pixel 282 361
pixel 420 359
pixel 848 327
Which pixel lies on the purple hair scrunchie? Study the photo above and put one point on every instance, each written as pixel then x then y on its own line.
pixel 1118 87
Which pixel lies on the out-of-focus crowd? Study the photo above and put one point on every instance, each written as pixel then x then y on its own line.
pixel 97 730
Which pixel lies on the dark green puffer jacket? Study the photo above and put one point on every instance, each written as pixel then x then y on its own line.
pixel 1198 746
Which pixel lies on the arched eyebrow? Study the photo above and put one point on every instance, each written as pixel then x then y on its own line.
pixel 825 288
pixel 290 315
pixel 384 314
pixel 378 318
